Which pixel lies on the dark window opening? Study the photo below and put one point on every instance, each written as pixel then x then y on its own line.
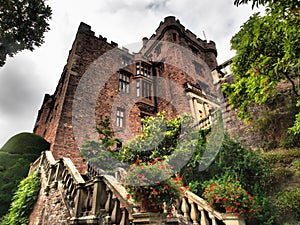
pixel 146 90
pixel 198 68
pixel 174 37
pixel 143 69
pixel 124 82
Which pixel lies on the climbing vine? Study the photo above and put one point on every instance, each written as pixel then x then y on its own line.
pixel 23 201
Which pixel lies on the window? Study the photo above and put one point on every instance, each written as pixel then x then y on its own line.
pixel 120 117
pixel 143 69
pixel 124 82
pixel 138 87
pixel 174 37
pixel 198 68
pixel 125 61
pixel 146 89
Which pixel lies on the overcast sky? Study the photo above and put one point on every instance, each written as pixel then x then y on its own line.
pixel 25 78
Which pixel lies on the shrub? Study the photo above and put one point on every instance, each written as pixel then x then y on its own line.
pixel 23 201
pixel 227 194
pixel 152 181
pixel 288 202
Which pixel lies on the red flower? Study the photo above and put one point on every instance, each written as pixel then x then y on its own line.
pixel 238 203
pixel 166 187
pixel 155 192
pixel 128 196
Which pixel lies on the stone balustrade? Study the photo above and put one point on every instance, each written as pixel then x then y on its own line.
pixel 101 199
pixel 192 209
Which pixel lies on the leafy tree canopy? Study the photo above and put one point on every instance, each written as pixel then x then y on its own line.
pixel 267 53
pixel 22 26
pixel 254 2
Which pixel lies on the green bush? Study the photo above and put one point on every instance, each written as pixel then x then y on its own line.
pixel 15 158
pixel 23 201
pixel 239 162
pixel 25 143
pixel 288 202
pixel 233 159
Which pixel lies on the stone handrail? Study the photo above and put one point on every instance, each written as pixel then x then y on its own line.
pixel 100 200
pixel 103 200
pixel 194 210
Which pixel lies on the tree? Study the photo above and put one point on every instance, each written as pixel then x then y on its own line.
pixel 22 26
pixel 255 2
pixel 267 54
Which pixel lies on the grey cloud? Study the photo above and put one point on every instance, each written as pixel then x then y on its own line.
pixel 19 89
pixel 157 5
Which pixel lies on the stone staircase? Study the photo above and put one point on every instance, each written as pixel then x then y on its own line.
pixel 67 197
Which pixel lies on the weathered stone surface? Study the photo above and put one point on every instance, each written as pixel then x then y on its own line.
pixel 50 208
pixel 54 121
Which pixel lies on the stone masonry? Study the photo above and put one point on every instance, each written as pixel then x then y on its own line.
pixel 160 86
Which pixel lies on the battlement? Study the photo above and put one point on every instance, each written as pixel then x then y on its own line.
pixel 171 22
pixel 86 29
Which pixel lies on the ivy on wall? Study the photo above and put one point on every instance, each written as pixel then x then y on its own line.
pixel 23 201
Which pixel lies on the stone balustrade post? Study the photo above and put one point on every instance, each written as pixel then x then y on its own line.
pixel 231 219
pixel 49 178
pixel 58 172
pixel 99 197
pixel 79 201
pixel 149 218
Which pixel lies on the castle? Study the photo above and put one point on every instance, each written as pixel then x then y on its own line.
pixel 171 73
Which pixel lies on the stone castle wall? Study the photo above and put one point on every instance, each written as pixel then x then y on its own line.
pixel 54 121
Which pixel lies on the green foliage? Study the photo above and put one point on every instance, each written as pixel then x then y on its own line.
pixel 245 164
pixel 23 24
pixel 99 157
pixel 288 202
pixel 160 138
pixel 267 53
pixel 106 134
pixel 255 2
pixel 153 181
pixel 284 156
pixel 228 194
pixel 25 143
pixel 238 162
pixel 15 158
pixel 23 201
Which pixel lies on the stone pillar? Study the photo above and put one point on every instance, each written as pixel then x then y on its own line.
pixel 99 197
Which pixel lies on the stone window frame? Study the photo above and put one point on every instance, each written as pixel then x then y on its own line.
pixel 143 69
pixel 124 81
pixel 138 88
pixel 146 89
pixel 120 117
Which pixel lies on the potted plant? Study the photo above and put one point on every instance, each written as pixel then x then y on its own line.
pixel 152 184
pixel 227 195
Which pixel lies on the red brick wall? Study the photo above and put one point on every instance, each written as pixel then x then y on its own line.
pixel 54 122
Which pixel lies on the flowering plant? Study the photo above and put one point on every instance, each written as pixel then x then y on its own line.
pixel 226 194
pixel 152 181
